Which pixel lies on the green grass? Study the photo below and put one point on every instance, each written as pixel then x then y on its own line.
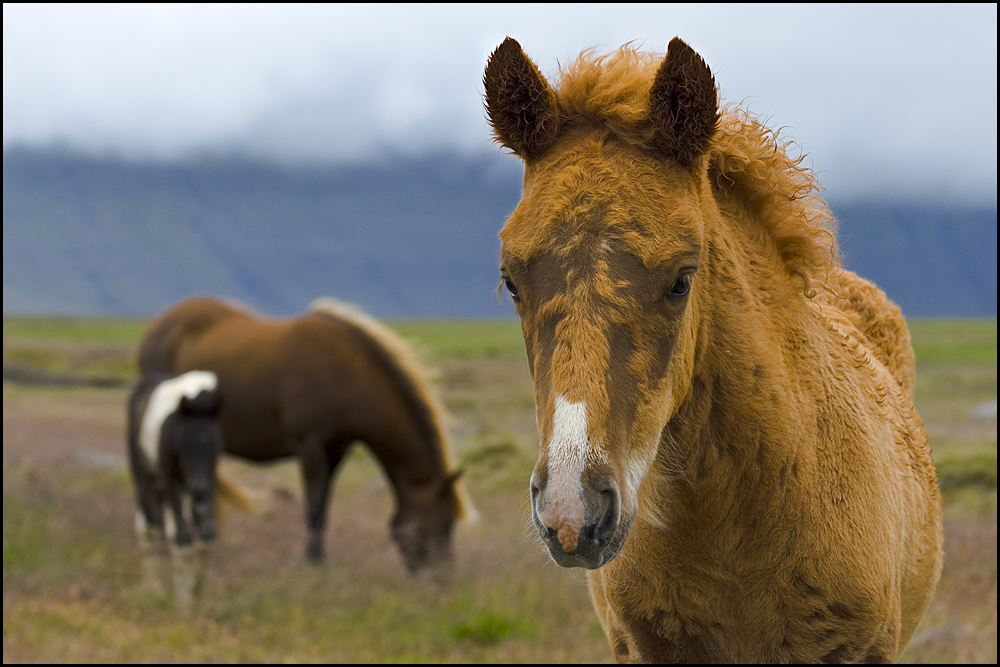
pixel 76 347
pixel 464 339
pixel 93 329
pixel 24 534
pixel 963 341
pixel 956 373
pixel 106 346
pixel 976 469
pixel 461 338
pixel 955 341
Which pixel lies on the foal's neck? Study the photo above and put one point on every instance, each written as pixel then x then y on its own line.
pixel 743 426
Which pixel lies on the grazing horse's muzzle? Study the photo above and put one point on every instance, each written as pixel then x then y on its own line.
pixel 586 534
pixel 424 555
pixel 424 539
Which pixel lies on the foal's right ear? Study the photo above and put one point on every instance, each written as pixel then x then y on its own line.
pixel 519 102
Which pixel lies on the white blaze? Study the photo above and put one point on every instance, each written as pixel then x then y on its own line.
pixel 568 447
pixel 163 401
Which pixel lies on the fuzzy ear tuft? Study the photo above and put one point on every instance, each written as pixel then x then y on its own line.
pixel 205 404
pixel 683 104
pixel 519 102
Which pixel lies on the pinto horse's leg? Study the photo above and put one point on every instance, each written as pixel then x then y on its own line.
pixel 148 525
pixel 148 536
pixel 318 462
pixel 188 565
pixel 184 556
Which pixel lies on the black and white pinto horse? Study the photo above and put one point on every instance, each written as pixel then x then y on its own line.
pixel 174 443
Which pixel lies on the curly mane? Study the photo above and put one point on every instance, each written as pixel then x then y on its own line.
pixel 755 179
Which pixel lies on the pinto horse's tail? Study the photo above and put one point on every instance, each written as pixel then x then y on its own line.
pixel 229 492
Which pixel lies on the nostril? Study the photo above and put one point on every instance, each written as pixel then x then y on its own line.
pixel 606 524
pixel 538 501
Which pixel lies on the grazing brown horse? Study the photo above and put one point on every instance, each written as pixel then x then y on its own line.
pixel 309 387
pixel 727 433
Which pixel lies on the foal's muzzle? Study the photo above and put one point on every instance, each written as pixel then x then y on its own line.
pixel 598 539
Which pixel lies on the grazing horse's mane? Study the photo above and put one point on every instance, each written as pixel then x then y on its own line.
pixel 754 178
pixel 414 376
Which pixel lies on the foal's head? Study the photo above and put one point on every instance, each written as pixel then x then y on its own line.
pixel 602 258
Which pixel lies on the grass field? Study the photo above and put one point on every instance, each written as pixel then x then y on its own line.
pixel 70 563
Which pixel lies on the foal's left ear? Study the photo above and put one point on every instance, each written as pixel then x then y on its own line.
pixel 683 104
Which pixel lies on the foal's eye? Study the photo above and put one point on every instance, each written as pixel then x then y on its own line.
pixel 512 288
pixel 681 285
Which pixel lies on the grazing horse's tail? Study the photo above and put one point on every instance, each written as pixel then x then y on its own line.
pixel 405 361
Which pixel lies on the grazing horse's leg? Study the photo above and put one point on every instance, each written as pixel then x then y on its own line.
pixel 318 461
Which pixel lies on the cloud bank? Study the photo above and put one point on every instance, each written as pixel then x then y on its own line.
pixel 884 99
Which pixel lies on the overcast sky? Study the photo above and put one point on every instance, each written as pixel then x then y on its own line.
pixel 886 98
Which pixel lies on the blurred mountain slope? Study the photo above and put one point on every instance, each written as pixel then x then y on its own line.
pixel 412 238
